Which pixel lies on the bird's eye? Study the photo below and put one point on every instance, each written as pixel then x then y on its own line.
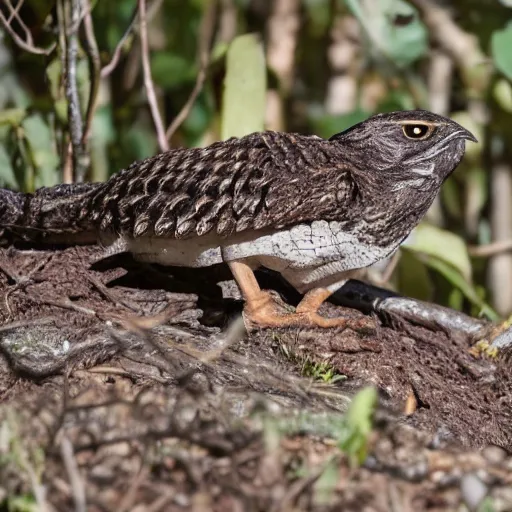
pixel 417 131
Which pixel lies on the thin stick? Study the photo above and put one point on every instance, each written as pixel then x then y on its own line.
pixel 108 68
pixel 206 32
pixel 77 484
pixel 93 56
pixel 14 14
pixel 484 251
pixel 148 79
pixel 132 27
pixel 74 112
pixel 24 45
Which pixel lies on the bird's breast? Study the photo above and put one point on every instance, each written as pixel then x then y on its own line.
pixel 304 253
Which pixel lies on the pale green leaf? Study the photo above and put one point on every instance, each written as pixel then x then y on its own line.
pixel 458 280
pixel 243 109
pixel 442 244
pixel 325 486
pixel 357 425
pixel 501 43
pixel 42 152
pixel 413 278
pixel 393 28
pixel 327 125
pixel 171 69
pixel 502 93
pixel 12 116
pixel 360 411
pixel 7 176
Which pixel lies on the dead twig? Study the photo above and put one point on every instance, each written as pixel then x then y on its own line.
pixel 27 323
pixel 67 21
pixel 77 484
pixel 65 304
pixel 148 79
pixel 21 282
pixel 500 265
pixel 93 57
pixel 103 290
pixel 282 29
pixel 127 503
pixel 108 68
pixel 205 38
pixel 107 370
pixel 484 251
pixel 14 15
pixel 462 46
pixel 301 485
pixel 26 44
pixel 132 28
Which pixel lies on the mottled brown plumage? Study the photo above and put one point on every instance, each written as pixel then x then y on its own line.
pixel 249 200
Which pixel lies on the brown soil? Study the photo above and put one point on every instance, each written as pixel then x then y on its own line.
pixel 103 410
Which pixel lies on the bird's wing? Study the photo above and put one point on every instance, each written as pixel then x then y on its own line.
pixel 264 180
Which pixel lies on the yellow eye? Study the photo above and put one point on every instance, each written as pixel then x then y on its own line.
pixel 417 131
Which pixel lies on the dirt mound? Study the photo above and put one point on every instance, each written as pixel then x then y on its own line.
pixel 182 410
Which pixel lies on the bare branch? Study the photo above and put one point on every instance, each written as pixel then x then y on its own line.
pixel 14 14
pixel 462 46
pixel 282 29
pixel 93 56
pixel 108 68
pixel 343 54
pixel 132 28
pixel 228 21
pixel 148 79
pixel 484 251
pixel 500 265
pixel 204 48
pixel 27 44
pixel 74 113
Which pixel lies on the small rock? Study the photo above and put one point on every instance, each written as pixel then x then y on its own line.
pixel 473 491
pixel 494 454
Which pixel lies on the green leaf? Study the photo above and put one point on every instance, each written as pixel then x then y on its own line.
pixel 327 125
pixel 54 77
pixel 357 425
pixel 458 280
pixel 396 100
pixel 502 93
pixel 324 488
pixel 42 152
pixel 7 176
pixel 170 69
pixel 451 197
pixel 12 116
pixel 320 14
pixel 444 245
pixel 487 504
pixel 393 29
pixel 245 86
pixel 413 278
pixel 501 43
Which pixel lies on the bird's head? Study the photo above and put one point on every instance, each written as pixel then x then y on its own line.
pixel 413 146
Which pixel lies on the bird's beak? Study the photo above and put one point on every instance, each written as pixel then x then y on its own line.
pixel 466 134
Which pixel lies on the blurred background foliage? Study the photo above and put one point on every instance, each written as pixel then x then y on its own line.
pixel 88 86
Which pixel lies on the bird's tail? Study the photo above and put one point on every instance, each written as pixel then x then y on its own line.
pixel 57 214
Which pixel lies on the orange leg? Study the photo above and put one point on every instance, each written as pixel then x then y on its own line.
pixel 262 310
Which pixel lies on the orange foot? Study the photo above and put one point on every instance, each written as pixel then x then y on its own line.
pixel 265 311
